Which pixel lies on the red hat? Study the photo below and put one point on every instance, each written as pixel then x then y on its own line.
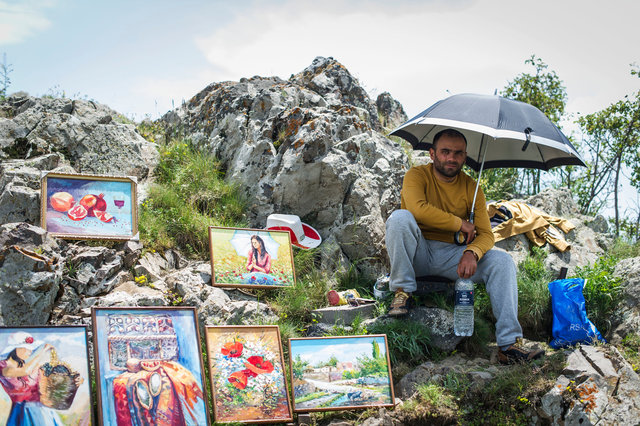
pixel 302 235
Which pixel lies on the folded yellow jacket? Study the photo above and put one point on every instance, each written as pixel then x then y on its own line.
pixel 528 220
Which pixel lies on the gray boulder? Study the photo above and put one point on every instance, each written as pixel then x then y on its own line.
pixel 30 275
pixel 91 137
pixel 20 187
pixel 94 271
pixel 628 316
pixel 190 286
pixel 390 111
pixel 597 387
pixel 308 146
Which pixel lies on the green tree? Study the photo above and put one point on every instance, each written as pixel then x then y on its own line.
pixel 375 352
pixel 333 361
pixel 298 367
pixel 5 81
pixel 613 138
pixel 544 90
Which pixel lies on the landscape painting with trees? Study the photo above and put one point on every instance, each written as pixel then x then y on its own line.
pixel 335 373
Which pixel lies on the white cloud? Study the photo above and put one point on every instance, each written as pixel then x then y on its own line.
pixel 21 20
pixel 418 51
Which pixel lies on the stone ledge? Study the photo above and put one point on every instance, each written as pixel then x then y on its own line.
pixel 344 314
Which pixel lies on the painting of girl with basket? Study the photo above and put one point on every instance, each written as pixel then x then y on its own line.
pixel 40 385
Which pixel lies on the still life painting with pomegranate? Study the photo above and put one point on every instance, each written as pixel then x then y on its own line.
pixel 247 374
pixel 87 206
pixel 149 367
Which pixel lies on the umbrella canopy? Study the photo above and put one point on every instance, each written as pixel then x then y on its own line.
pixel 513 133
pixel 241 242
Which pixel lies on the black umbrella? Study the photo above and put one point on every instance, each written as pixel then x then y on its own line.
pixel 500 132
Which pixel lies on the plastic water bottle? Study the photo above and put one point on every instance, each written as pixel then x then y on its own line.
pixel 463 309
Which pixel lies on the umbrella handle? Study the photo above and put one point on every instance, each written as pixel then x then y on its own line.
pixel 460 237
pixel 527 132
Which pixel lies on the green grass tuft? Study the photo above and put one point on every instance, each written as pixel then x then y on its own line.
pixel 602 291
pixel 189 195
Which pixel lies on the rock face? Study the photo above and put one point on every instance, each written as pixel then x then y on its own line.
pixel 30 274
pixel 20 186
pixel 628 317
pixel 91 138
pixel 597 387
pixel 308 146
pixel 390 111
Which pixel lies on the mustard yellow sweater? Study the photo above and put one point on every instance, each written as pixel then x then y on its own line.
pixel 439 207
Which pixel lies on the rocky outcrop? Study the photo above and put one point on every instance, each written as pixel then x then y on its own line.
pixel 308 146
pixel 597 387
pixel 390 111
pixel 30 274
pixel 90 137
pixel 20 182
pixel 627 318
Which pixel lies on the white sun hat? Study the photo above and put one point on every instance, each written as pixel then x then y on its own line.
pixel 302 235
pixel 19 339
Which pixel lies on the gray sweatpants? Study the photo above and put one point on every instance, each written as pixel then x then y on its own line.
pixel 412 255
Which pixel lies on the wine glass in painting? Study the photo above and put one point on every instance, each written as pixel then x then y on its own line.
pixel 118 203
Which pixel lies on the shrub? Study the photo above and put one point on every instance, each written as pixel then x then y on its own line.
pixel 534 308
pixel 407 340
pixel 189 195
pixel 602 291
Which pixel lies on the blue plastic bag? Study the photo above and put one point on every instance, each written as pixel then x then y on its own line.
pixel 570 322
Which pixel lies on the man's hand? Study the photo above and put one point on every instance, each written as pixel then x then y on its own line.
pixel 467 265
pixel 469 230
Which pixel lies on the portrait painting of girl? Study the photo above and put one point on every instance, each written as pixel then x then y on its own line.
pixel 243 257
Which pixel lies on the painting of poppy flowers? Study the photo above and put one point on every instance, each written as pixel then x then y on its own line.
pixel 251 258
pixel 89 206
pixel 247 374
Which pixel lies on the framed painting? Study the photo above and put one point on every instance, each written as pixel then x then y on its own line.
pixel 44 376
pixel 89 206
pixel 251 258
pixel 339 373
pixel 247 374
pixel 148 366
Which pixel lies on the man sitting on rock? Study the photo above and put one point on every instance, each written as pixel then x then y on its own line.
pixel 435 203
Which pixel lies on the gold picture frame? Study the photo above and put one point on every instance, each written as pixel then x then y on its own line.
pixel 80 206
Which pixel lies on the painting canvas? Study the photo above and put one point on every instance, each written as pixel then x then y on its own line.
pixel 251 258
pixel 56 388
pixel 336 373
pixel 247 374
pixel 149 366
pixel 87 206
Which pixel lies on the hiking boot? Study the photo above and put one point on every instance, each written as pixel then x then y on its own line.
pixel 515 354
pixel 400 303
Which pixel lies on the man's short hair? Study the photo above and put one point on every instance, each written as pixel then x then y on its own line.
pixel 451 133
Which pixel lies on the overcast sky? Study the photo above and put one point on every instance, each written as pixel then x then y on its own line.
pixel 143 57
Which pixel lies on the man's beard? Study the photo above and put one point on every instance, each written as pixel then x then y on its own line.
pixel 440 167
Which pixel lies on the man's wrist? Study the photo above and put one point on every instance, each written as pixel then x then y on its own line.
pixel 473 253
